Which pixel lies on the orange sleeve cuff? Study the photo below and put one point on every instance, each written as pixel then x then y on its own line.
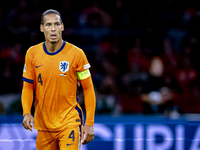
pixel 89 99
pixel 27 97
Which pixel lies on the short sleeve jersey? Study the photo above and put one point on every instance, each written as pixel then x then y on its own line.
pixel 54 76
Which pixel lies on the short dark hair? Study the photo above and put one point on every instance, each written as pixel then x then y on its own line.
pixel 50 11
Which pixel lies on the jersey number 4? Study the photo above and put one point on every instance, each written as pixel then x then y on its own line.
pixel 71 135
pixel 40 79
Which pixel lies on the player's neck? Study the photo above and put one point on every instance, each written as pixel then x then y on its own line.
pixel 53 47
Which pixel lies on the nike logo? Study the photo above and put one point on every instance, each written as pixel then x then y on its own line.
pixel 69 144
pixel 38 66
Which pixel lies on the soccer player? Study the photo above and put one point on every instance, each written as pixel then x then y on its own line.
pixel 52 71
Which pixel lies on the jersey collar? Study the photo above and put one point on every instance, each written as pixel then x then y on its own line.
pixel 54 53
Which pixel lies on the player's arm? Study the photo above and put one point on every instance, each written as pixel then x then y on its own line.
pixel 27 100
pixel 90 105
pixel 27 91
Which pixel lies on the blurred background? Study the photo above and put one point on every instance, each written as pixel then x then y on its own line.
pixel 144 54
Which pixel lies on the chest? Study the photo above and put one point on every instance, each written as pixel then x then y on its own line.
pixel 55 66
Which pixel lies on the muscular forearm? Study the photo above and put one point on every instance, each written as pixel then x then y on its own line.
pixel 27 97
pixel 90 100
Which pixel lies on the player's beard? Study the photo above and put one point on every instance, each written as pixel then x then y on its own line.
pixel 53 42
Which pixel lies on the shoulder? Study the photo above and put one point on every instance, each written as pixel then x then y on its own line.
pixel 32 52
pixel 33 49
pixel 75 49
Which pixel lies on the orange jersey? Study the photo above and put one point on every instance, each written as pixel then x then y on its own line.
pixel 54 76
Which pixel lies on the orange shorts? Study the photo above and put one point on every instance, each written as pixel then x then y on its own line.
pixel 68 139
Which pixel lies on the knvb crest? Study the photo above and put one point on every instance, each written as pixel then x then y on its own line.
pixel 64 66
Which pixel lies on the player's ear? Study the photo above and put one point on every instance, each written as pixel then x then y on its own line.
pixel 62 26
pixel 41 28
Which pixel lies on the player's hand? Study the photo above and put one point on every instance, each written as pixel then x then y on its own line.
pixel 28 122
pixel 87 134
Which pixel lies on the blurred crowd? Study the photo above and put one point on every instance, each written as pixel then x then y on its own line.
pixel 144 54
